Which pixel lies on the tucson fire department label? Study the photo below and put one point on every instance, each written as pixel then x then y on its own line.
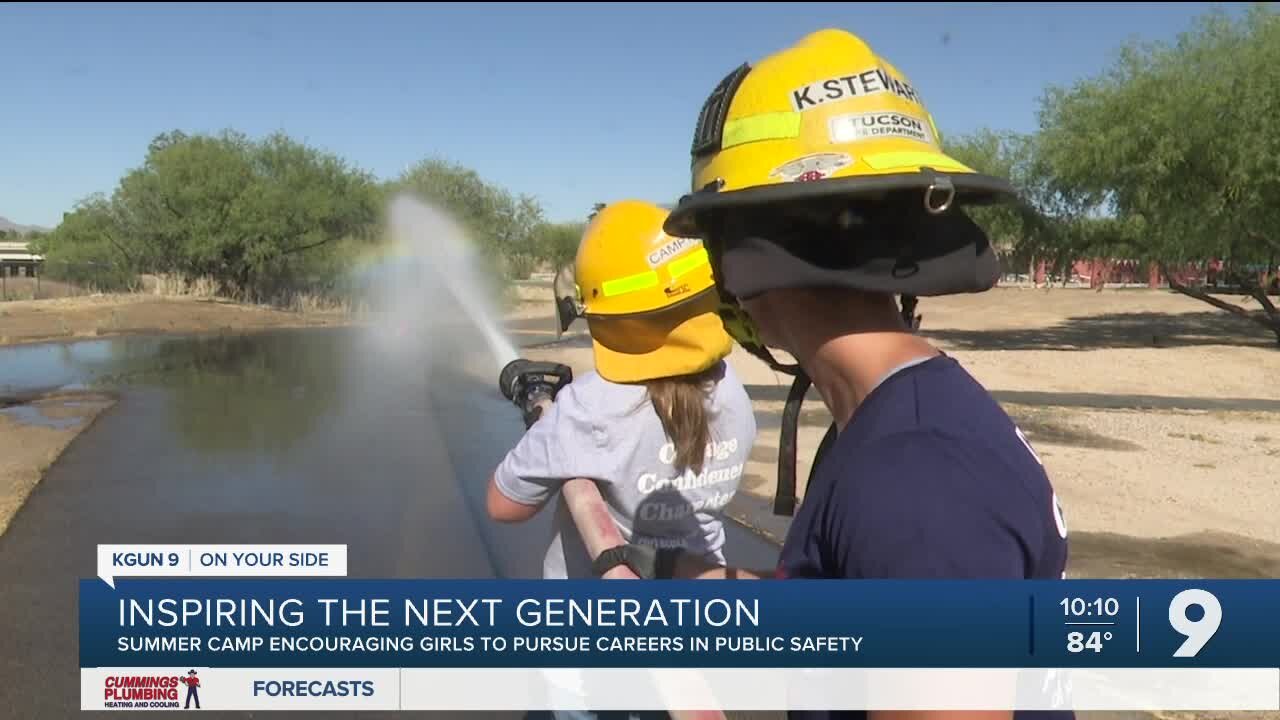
pixel 872 125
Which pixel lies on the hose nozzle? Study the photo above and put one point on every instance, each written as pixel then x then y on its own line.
pixel 526 382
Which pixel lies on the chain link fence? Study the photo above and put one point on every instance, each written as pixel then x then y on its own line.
pixel 42 280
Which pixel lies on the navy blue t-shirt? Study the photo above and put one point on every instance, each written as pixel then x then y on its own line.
pixel 930 479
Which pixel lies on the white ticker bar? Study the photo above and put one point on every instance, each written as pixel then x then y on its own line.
pixel 523 689
pixel 842 688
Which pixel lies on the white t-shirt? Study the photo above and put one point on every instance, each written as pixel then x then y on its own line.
pixel 610 433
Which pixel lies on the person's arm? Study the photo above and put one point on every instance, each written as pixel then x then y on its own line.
pixel 531 450
pixel 596 526
pixel 505 510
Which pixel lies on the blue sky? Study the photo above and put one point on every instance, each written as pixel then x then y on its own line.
pixel 571 104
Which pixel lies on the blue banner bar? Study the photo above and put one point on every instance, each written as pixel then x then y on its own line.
pixel 300 623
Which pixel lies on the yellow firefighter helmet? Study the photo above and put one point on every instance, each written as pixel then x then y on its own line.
pixel 825 117
pixel 649 298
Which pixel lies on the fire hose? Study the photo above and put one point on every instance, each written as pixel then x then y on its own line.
pixel 532 387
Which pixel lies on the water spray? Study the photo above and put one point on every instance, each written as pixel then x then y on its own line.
pixel 429 236
pixel 433 265
pixel 433 241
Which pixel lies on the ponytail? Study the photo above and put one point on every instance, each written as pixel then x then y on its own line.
pixel 681 404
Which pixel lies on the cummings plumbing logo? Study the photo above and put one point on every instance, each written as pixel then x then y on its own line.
pixel 151 692
pixel 141 691
pixel 192 681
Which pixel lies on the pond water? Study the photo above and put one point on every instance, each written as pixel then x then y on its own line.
pixel 311 436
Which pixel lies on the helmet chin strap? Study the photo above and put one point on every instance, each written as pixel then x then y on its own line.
pixel 740 326
pixel 784 498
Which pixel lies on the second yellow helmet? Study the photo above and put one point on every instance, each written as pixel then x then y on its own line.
pixel 649 298
pixel 627 264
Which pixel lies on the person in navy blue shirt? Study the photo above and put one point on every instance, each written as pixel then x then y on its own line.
pixel 820 207
pixel 928 477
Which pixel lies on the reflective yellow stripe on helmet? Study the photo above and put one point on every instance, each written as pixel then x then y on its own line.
pixel 765 126
pixel 648 279
pixel 889 160
pixel 689 263
pixel 629 284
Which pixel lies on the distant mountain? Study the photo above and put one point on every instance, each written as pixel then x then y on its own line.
pixel 7 224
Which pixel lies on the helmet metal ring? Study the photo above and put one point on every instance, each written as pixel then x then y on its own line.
pixel 943 184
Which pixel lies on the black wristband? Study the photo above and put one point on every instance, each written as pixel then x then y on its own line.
pixel 621 555
pixel 648 563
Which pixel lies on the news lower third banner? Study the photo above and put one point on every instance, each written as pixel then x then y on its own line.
pixel 338 643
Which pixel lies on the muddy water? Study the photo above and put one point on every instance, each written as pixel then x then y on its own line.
pixel 289 437
pixel 283 436
pixel 237 439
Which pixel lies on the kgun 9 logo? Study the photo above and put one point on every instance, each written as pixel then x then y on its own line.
pixel 1197 631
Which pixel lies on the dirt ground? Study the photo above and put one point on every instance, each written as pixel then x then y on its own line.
pixel 26 321
pixel 33 434
pixel 1157 416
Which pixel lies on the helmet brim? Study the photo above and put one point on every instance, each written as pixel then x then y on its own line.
pixel 970 189
pixel 635 348
pixel 961 261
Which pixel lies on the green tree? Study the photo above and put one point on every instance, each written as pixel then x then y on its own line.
pixel 1010 227
pixel 557 243
pixel 501 224
pixel 1180 144
pixel 1047 222
pixel 302 199
pixel 241 212
pixel 88 248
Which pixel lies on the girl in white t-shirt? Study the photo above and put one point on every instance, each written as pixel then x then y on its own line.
pixel 663 425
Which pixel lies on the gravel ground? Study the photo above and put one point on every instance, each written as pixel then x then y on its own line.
pixel 73 318
pixel 33 434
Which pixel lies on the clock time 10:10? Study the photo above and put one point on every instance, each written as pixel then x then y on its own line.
pixel 1097 607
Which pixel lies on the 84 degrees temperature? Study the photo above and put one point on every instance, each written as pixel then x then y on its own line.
pixel 1079 641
